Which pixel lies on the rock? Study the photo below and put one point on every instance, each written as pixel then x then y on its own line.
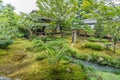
pixel 18 79
pixel 7 72
pixel 100 59
pixel 68 70
pixel 4 78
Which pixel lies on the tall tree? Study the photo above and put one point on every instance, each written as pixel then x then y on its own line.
pixel 7 22
pixel 108 14
pixel 61 11
pixel 27 23
pixel 8 25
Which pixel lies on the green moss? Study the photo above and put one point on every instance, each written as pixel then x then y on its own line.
pixel 14 58
pixel 18 57
pixel 23 66
pixel 43 71
pixel 27 68
pixel 3 52
pixel 94 46
pixel 104 76
pixel 93 39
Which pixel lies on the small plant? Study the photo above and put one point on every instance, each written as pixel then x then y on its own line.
pixel 44 39
pixel 38 45
pixel 40 56
pixel 71 52
pixel 82 57
pixel 54 50
pixel 94 46
pixel 93 39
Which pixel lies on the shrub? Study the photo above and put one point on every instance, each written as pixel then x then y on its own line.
pixel 93 39
pixel 38 45
pixel 44 39
pixel 71 52
pixel 115 63
pixel 86 57
pixel 94 46
pixel 40 56
pixel 5 43
pixel 82 57
pixel 55 50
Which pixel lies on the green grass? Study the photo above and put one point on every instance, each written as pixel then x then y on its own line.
pixel 104 76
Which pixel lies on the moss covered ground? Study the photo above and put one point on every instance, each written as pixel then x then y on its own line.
pixel 17 62
pixel 108 54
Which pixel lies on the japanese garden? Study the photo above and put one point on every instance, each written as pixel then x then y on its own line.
pixel 61 40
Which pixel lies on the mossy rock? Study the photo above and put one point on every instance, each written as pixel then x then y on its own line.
pixel 62 72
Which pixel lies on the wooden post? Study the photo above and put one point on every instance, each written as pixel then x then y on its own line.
pixel 74 36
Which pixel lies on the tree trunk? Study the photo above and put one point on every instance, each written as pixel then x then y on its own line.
pixel 61 31
pixel 53 33
pixel 114 47
pixel 30 36
pixel 74 36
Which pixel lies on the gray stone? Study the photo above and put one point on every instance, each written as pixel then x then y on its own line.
pixel 68 70
pixel 4 78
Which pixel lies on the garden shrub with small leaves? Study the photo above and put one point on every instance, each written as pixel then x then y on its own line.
pixel 5 43
pixel 94 46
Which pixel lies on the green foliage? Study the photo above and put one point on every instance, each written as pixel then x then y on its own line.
pixel 82 57
pixel 93 39
pixel 8 22
pixel 71 53
pixel 41 56
pixel 56 53
pixel 108 45
pixel 99 29
pixel 61 12
pixel 88 29
pixel 26 25
pixel 107 18
pixel 5 43
pixel 55 50
pixel 94 46
pixel 38 45
pixel 30 23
